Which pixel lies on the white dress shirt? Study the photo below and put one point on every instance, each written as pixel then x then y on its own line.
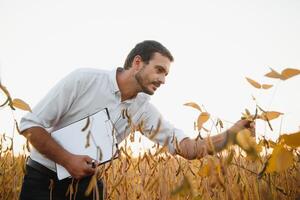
pixel 85 91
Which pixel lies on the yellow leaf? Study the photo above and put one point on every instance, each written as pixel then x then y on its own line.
pixel 267 143
pixel 292 140
pixel 272 144
pixel 229 157
pixel 194 105
pixel 184 188
pixel 218 168
pixel 247 112
pixel 288 73
pixel 270 115
pixel 203 117
pixel 92 185
pixel 253 83
pixel 266 86
pixel 131 136
pixel 281 159
pixel 18 103
pixel 247 115
pixel 284 75
pixel 205 170
pixel 273 74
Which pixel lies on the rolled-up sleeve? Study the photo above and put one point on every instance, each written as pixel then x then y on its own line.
pixel 156 128
pixel 54 105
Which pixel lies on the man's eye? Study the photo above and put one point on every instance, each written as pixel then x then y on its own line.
pixel 159 70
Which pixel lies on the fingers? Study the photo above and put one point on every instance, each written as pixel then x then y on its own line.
pixel 91 164
pixel 250 125
pixel 90 170
pixel 91 161
pixel 86 167
pixel 81 166
pixel 242 124
pixel 252 129
pixel 88 159
pixel 246 123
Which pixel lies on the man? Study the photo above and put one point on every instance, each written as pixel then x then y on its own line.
pixel 85 91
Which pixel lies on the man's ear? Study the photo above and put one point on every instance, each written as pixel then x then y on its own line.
pixel 137 63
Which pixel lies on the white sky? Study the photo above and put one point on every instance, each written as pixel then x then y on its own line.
pixel 215 45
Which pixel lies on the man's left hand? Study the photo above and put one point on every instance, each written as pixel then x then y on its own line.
pixel 238 126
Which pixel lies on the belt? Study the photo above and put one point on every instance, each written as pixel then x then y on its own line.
pixel 41 168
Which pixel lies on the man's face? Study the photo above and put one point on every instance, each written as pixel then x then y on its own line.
pixel 153 74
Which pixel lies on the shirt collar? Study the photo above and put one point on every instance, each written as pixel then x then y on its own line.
pixel 113 79
pixel 115 88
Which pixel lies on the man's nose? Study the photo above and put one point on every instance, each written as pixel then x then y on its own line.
pixel 162 79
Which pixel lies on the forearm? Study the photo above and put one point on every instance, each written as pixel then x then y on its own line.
pixel 46 145
pixel 197 148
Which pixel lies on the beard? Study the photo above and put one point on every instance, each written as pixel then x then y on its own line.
pixel 141 81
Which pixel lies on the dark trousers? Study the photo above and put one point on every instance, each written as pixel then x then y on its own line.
pixel 40 186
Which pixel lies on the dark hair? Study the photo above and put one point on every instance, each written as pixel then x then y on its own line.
pixel 146 50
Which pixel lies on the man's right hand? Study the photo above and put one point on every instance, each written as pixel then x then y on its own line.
pixel 79 166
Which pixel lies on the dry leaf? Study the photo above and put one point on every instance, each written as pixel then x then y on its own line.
pixel 205 170
pixel 292 140
pixel 253 83
pixel 86 125
pixel 247 112
pixel 131 137
pixel 88 137
pixel 272 144
pixel 289 73
pixel 203 117
pixel 281 159
pixel 99 152
pixel 229 157
pixel 18 103
pixel 284 75
pixel 92 185
pixel 156 131
pixel 270 115
pixel 194 105
pixel 273 74
pixel 267 143
pixel 266 86
pixel 247 115
pixel 220 123
pixel 183 189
